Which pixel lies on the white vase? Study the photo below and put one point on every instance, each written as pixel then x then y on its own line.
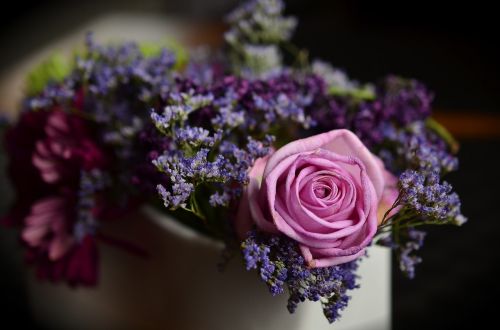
pixel 180 287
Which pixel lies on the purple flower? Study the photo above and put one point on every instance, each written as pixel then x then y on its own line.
pixel 417 148
pixel 405 100
pixel 50 208
pixel 281 265
pixel 430 199
pixel 409 241
pixel 67 148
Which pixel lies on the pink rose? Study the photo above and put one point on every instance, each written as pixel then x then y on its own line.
pixel 323 192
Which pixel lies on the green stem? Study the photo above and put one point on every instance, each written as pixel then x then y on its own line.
pixel 301 56
pixel 443 133
pixel 394 205
pixel 194 209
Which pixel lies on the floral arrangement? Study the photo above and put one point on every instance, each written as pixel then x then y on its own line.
pixel 296 167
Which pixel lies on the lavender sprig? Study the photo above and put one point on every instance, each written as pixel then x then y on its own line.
pixel 281 266
pixel 91 182
pixel 409 241
pixel 256 29
pixel 428 198
pixel 418 148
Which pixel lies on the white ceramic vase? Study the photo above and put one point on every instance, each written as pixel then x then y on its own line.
pixel 180 287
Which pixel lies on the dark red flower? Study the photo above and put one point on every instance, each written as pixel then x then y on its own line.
pixel 48 151
pixel 77 267
pixel 66 149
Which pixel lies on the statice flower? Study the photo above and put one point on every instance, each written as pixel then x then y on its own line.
pixel 410 241
pixel 179 194
pixel 405 100
pixel 332 76
pixel 124 71
pixel 239 110
pixel 53 94
pixel 205 66
pixel 185 172
pixel 367 110
pixel 109 67
pixel 114 86
pixel 228 118
pixel 416 147
pixel 243 158
pixel 197 167
pixel 281 266
pixel 221 198
pixel 197 136
pixel 261 21
pixel 262 61
pixel 339 83
pixel 364 109
pixel 91 182
pixel 430 199
pixel 191 132
pixel 281 99
pixel 180 107
pixel 171 114
pixel 256 29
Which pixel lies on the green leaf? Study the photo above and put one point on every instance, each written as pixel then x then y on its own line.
pixel 52 70
pixel 150 49
pixel 362 93
pixel 443 133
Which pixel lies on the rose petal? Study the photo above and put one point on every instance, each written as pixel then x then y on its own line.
pixel 340 141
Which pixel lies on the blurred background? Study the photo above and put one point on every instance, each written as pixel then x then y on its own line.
pixel 452 48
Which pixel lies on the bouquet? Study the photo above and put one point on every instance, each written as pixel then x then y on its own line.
pixel 293 165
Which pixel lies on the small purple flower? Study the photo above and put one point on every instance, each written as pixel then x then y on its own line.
pixel 405 100
pixel 410 241
pixel 281 265
pixel 429 198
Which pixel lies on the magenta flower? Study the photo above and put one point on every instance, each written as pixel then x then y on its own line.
pixel 79 266
pixel 324 192
pixel 66 149
pixel 48 151
pixel 47 226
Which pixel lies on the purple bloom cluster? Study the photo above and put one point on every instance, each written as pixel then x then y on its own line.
pixel 114 87
pixel 241 112
pixel 184 172
pixel 258 105
pixel 91 182
pixel 230 166
pixel 337 80
pixel 121 71
pixel 197 136
pixel 416 147
pixel 398 102
pixel 227 118
pixel 256 29
pixel 409 242
pixel 422 158
pixel 281 265
pixel 371 112
pixel 187 131
pixel 430 199
pixel 405 100
pixel 107 68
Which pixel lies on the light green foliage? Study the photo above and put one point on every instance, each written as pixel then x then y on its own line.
pixel 150 49
pixel 361 93
pixel 52 70
pixel 443 133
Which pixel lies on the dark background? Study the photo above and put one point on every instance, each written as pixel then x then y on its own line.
pixel 452 47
